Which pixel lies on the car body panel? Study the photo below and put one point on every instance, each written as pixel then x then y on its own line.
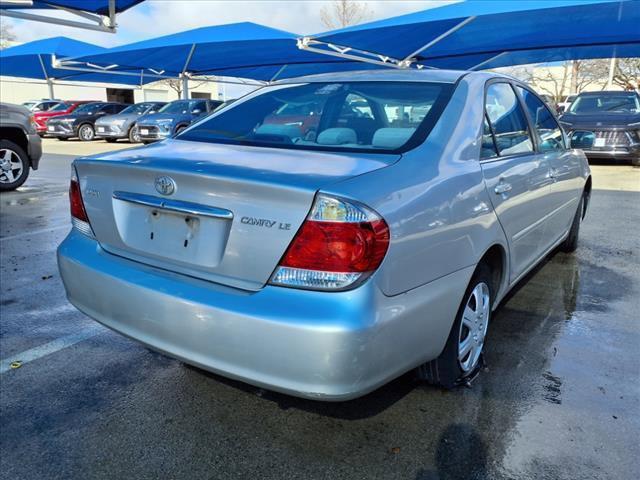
pixel 438 200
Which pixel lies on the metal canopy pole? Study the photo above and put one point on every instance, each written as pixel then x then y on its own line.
pixel 47 78
pixel 307 44
pixel 184 76
pixel 439 38
pixel 102 24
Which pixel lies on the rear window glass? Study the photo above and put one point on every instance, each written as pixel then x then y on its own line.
pixel 354 116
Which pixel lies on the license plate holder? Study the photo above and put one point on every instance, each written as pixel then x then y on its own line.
pixel 101 129
pixel 599 142
pixel 50 129
pixel 144 131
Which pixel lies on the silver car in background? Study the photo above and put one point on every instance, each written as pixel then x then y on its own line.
pixel 325 256
pixel 123 125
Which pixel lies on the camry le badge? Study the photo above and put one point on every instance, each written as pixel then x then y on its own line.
pixel 165 185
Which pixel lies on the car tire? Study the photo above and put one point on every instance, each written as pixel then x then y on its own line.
pixel 571 242
pixel 86 133
pixel 635 162
pixel 111 140
pixel 62 139
pixel 134 136
pixel 468 332
pixel 180 129
pixel 14 166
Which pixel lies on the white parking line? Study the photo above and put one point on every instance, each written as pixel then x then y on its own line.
pixel 35 232
pixel 51 347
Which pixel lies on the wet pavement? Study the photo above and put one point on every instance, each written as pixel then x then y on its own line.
pixel 559 398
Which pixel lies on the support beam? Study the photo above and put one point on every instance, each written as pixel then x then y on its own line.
pixel 185 87
pixel 439 38
pixel 100 27
pixel 348 53
pixel 50 85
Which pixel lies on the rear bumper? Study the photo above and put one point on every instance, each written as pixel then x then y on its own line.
pixel 625 153
pixel 326 346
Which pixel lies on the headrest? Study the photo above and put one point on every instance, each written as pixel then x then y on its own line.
pixel 391 138
pixel 337 136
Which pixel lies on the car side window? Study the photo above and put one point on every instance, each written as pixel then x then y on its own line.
pixel 547 128
pixel 510 127
pixel 488 145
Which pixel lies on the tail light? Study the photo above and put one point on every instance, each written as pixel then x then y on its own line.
pixel 79 217
pixel 338 246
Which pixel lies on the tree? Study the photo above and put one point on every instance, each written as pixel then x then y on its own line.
pixel 176 84
pixel 627 73
pixel 343 13
pixel 6 35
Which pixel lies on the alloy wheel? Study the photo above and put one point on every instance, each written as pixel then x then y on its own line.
pixel 86 133
pixel 11 166
pixel 473 327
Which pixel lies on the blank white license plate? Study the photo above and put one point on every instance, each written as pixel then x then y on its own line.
pixel 51 129
pixel 599 142
pixel 144 131
pixel 101 129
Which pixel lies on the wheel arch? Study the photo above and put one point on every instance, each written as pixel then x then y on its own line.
pixel 497 259
pixel 587 196
pixel 15 135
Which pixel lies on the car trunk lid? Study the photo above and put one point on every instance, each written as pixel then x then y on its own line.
pixel 232 213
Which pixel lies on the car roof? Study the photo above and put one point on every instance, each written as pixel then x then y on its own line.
pixel 605 93
pixel 390 75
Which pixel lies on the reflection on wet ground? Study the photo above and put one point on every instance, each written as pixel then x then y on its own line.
pixel 558 398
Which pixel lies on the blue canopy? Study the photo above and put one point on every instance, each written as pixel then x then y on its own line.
pixel 244 50
pixel 34 60
pixel 100 7
pixel 490 33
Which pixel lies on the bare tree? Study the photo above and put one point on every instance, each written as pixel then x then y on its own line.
pixel 175 84
pixel 343 13
pixel 627 73
pixel 6 35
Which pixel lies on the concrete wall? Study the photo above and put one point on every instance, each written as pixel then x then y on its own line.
pixel 18 90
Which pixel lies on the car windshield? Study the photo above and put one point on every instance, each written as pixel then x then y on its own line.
pixel 364 116
pixel 88 108
pixel 29 105
pixel 619 103
pixel 61 107
pixel 181 106
pixel 137 108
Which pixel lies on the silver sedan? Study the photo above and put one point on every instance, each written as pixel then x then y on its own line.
pixel 326 234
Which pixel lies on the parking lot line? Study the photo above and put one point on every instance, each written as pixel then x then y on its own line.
pixel 49 348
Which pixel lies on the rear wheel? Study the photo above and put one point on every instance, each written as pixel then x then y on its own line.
pixel 86 133
pixel 462 353
pixel 571 242
pixel 14 166
pixel 635 162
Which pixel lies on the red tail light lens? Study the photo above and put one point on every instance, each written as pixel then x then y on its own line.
pixel 75 199
pixel 339 244
pixel 79 217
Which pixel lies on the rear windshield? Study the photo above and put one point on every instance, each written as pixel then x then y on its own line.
pixel 347 116
pixel 89 108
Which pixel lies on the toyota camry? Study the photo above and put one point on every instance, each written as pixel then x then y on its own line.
pixel 326 256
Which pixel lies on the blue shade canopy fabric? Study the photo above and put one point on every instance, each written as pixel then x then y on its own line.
pixel 524 31
pixel 100 7
pixel 34 60
pixel 244 50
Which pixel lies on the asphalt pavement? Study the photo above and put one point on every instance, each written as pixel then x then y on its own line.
pixel 559 397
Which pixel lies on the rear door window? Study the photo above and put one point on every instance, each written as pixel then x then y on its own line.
pixel 550 136
pixel 508 120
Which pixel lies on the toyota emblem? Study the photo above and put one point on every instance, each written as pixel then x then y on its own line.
pixel 165 185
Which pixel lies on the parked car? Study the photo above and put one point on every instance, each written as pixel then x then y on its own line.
pixel 40 105
pixel 20 146
pixel 565 104
pixel 173 118
pixel 124 124
pixel 606 125
pixel 325 268
pixel 62 108
pixel 81 123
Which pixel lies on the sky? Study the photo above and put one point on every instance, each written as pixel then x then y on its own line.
pixel 154 18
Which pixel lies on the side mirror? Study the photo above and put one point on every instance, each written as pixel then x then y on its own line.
pixel 197 111
pixel 582 139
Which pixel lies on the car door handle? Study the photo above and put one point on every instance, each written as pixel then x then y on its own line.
pixel 502 187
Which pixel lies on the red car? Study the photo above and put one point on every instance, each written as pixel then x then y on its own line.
pixel 63 108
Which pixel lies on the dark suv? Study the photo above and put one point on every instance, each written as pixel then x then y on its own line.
pixel 81 123
pixel 173 118
pixel 20 146
pixel 605 125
